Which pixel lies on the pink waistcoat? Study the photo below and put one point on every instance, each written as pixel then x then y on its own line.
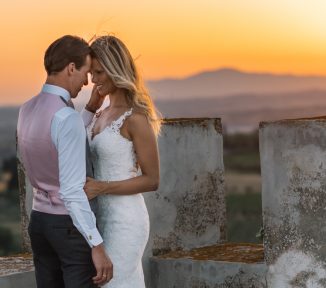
pixel 38 153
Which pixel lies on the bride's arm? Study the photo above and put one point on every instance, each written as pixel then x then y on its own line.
pixel 145 145
pixel 94 103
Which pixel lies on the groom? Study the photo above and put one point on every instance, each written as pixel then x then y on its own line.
pixel 67 247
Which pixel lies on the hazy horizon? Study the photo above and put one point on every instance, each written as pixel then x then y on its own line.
pixel 158 83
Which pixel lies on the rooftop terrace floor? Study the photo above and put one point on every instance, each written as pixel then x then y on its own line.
pixel 16 264
pixel 229 252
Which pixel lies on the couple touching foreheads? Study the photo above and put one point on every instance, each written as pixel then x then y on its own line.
pixel 69 249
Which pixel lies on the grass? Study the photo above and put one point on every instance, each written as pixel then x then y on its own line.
pixel 243 187
pixel 10 231
pixel 242 183
pixel 244 217
pixel 244 162
pixel 243 207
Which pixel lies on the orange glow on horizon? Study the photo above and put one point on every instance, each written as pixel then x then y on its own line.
pixel 168 38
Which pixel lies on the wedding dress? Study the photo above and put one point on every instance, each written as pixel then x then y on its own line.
pixel 122 219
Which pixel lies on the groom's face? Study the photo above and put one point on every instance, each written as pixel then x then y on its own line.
pixel 79 77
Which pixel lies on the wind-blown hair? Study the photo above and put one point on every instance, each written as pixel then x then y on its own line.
pixel 118 63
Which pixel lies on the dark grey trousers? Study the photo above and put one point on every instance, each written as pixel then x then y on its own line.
pixel 61 255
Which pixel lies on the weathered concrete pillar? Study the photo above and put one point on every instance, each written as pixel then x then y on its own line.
pixel 26 202
pixel 188 210
pixel 293 163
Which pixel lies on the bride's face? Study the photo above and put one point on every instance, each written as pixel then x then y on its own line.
pixel 101 79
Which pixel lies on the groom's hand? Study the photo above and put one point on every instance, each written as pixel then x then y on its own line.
pixel 103 265
pixel 96 100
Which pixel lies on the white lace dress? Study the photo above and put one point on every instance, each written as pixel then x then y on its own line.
pixel 122 219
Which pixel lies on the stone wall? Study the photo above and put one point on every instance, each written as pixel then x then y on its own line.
pixel 188 273
pixel 188 210
pixel 26 201
pixel 293 162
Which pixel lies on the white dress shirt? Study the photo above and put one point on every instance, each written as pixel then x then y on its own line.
pixel 69 136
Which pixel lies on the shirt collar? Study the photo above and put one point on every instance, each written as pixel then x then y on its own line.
pixel 56 90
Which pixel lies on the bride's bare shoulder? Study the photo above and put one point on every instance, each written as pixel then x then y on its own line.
pixel 138 122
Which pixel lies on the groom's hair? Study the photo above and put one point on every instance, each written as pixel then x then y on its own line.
pixel 65 50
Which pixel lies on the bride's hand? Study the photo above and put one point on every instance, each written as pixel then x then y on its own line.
pixel 93 188
pixel 96 100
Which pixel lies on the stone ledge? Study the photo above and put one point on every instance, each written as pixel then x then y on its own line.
pixel 17 271
pixel 236 265
pixel 229 252
pixel 224 265
pixel 19 279
pixel 189 273
pixel 16 264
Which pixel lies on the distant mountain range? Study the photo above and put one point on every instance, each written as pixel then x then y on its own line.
pixel 230 82
pixel 241 99
pixel 243 112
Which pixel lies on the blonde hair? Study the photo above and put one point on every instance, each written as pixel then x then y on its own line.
pixel 118 63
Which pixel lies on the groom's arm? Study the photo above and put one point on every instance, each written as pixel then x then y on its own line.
pixel 87 116
pixel 69 137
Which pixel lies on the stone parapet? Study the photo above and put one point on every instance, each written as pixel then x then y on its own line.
pixel 188 210
pixel 293 162
pixel 217 266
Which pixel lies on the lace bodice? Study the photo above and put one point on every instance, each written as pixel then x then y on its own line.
pixel 113 155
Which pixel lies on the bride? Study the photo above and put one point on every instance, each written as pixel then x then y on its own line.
pixel 124 152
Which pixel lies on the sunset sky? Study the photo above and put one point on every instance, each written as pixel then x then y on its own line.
pixel 168 38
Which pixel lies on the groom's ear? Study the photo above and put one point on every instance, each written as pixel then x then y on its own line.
pixel 71 67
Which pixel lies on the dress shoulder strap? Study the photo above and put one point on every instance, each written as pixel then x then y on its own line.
pixel 119 122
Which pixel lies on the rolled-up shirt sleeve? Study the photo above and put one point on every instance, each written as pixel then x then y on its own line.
pixel 70 141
